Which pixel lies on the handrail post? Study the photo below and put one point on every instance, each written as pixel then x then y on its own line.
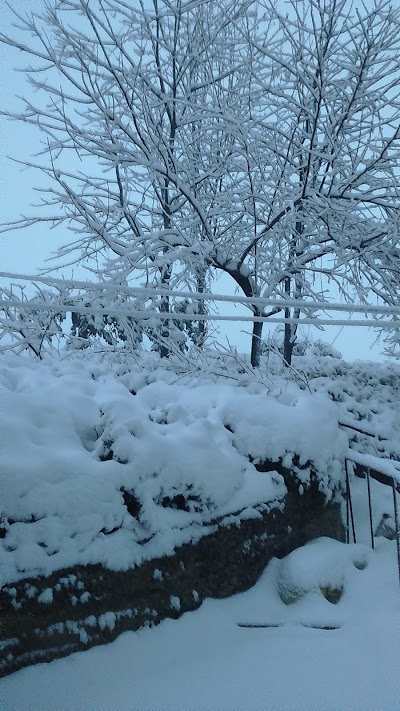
pixel 349 505
pixel 371 527
pixel 397 524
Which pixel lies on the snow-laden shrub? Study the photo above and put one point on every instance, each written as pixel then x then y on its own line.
pixel 322 566
pixel 304 346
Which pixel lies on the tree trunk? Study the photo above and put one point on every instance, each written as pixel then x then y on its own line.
pixel 201 334
pixel 290 337
pixel 256 342
pixel 288 343
pixel 165 308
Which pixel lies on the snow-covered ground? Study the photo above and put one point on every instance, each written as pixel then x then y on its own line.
pixel 205 661
pixel 76 430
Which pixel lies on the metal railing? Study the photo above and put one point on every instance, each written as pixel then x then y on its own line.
pixel 386 472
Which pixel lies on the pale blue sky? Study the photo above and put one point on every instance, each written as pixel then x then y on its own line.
pixel 24 251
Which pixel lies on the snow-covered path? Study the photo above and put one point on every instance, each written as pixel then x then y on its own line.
pixel 204 661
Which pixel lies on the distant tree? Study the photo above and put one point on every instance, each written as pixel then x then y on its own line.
pixel 223 138
pixel 93 324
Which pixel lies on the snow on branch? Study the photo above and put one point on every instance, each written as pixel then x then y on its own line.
pixel 207 139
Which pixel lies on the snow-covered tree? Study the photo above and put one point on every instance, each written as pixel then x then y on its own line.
pixel 137 94
pixel 230 137
pixel 329 133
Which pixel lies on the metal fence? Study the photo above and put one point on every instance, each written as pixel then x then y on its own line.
pixel 384 471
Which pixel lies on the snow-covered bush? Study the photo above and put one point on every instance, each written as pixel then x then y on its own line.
pixel 322 566
pixel 303 346
pixel 121 463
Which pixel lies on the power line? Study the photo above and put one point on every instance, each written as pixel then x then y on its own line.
pixel 245 300
pixel 30 306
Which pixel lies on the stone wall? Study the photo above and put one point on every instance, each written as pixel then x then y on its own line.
pixel 47 617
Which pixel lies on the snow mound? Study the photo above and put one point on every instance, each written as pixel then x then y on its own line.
pixel 322 566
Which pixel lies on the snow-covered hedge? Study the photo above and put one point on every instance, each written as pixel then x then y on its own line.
pixel 368 391
pixel 115 462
